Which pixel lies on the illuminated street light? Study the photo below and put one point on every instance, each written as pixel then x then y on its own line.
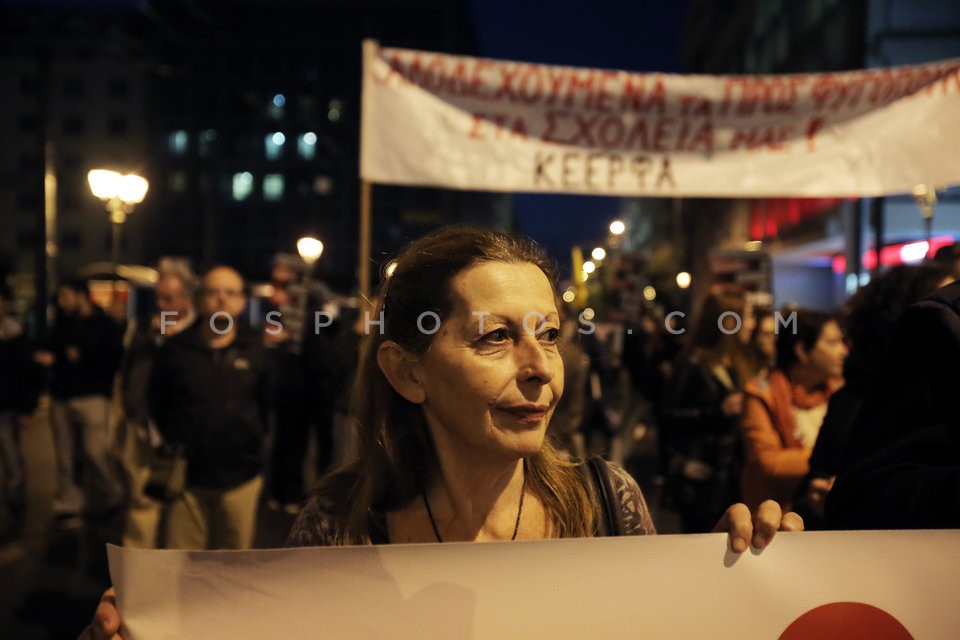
pixel 617 227
pixel 683 279
pixel 649 293
pixel 589 266
pixel 569 295
pixel 599 253
pixel 309 249
pixel 121 193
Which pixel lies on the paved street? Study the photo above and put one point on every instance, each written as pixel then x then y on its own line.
pixel 51 581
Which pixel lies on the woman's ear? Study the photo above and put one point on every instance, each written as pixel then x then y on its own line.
pixel 399 367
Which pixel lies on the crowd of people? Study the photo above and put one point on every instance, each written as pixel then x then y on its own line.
pixel 162 421
pixel 460 431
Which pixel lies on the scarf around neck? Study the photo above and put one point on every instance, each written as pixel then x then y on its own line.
pixel 782 388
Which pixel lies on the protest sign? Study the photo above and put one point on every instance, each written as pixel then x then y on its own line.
pixel 883 585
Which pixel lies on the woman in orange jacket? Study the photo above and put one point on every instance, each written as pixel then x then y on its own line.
pixel 783 413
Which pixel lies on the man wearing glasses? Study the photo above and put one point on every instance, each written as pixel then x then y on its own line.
pixel 209 396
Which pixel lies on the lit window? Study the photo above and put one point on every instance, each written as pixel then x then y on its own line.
pixel 242 185
pixel 307 145
pixel 276 106
pixel 178 143
pixel 334 111
pixel 273 186
pixel 274 145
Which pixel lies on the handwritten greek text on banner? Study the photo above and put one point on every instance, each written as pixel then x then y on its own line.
pixel 493 125
pixel 879 585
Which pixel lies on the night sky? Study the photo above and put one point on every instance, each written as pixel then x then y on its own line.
pixel 638 35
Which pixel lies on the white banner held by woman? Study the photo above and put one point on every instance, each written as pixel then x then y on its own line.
pixel 877 584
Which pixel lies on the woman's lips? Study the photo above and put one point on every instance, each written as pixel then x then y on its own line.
pixel 527 414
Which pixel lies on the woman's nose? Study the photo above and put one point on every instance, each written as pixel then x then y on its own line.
pixel 533 361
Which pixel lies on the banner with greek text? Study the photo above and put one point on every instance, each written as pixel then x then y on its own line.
pixel 898 585
pixel 471 123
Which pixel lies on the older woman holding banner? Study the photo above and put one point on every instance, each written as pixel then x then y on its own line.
pixel 455 388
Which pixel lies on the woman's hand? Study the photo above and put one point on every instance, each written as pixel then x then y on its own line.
pixel 756 529
pixel 106 620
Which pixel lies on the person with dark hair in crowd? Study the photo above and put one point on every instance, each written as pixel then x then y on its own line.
pixel 870 321
pixel 301 349
pixel 763 342
pixel 19 389
pixel 452 401
pixel 901 467
pixel 138 435
pixel 948 258
pixel 783 413
pixel 209 395
pixel 701 411
pixel 85 351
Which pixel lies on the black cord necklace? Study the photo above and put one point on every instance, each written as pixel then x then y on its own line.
pixel 516 527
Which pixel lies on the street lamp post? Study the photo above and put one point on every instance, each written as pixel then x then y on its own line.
pixel 121 193
pixel 309 249
pixel 926 197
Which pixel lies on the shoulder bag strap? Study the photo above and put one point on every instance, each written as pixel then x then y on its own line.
pixel 598 475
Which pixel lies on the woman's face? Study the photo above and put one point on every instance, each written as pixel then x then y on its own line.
pixel 491 382
pixel 828 354
pixel 766 337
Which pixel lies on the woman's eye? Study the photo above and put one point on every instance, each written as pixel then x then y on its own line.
pixel 550 336
pixel 497 336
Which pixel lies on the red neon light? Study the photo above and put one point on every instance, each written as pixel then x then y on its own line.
pixel 769 215
pixel 889 255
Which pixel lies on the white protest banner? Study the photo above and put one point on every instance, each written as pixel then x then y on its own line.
pixel 470 123
pixel 885 585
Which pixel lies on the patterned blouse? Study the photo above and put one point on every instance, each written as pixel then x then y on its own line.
pixel 315 527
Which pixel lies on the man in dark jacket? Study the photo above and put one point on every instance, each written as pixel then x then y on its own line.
pixel 84 354
pixel 139 438
pixel 209 392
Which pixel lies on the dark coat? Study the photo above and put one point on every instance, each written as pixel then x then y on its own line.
pixel 20 378
pixel 917 384
pixel 903 460
pixel 215 402
pixel 695 430
pixel 99 340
